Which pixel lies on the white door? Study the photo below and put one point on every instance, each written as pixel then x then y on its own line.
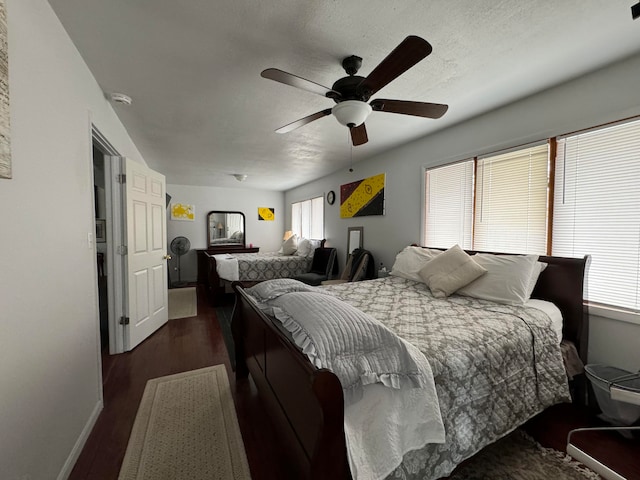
pixel 146 260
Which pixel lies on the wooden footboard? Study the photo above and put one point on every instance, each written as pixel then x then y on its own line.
pixel 305 404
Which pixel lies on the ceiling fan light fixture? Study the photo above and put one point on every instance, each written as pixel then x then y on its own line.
pixel 241 177
pixel 351 113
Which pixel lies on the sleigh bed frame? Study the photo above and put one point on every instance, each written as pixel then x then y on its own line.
pixel 305 404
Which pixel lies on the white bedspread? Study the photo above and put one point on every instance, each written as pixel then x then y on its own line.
pixel 391 404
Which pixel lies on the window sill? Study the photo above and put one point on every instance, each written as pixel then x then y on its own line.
pixel 613 313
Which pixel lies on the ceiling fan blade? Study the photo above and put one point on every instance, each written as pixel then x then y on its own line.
pixel 304 121
pixel 410 51
pixel 359 135
pixel 298 82
pixel 418 109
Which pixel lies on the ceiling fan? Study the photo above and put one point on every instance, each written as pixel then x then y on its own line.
pixel 351 93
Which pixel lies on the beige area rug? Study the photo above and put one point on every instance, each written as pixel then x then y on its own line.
pixel 519 457
pixel 183 303
pixel 186 428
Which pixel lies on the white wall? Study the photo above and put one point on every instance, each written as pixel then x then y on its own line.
pixel 50 388
pixel 264 234
pixel 607 95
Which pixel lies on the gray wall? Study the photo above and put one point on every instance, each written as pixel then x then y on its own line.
pixel 264 234
pixel 50 380
pixel 603 96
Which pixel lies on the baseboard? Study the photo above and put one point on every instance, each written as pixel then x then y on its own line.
pixel 79 445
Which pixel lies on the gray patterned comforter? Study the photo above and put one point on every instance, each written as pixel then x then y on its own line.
pixel 255 267
pixel 495 366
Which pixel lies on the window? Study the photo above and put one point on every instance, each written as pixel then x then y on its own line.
pixel 448 215
pixel 597 210
pixel 511 201
pixel 307 218
pixel 509 211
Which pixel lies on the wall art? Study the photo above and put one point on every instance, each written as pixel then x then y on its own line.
pixel 265 213
pixel 5 137
pixel 183 211
pixel 362 198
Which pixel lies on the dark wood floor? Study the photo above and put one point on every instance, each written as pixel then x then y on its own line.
pixel 197 342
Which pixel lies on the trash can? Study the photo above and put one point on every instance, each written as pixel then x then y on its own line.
pixel 606 379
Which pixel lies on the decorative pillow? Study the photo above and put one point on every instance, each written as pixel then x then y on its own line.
pixel 290 245
pixel 507 279
pixel 410 260
pixel 304 247
pixel 450 271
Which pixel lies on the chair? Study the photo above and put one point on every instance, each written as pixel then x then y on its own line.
pixel 354 273
pixel 322 266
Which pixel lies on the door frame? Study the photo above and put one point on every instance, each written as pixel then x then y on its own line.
pixel 115 235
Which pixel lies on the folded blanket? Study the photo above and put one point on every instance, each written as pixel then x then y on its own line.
pixel 391 405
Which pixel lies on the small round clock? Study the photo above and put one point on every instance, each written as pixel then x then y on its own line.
pixel 331 197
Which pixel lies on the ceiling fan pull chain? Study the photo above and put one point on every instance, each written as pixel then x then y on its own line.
pixel 351 150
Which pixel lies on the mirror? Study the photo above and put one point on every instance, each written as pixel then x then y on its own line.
pixel 225 228
pixel 354 239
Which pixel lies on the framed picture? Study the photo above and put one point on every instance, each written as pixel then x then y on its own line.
pixel 183 211
pixel 101 231
pixel 362 198
pixel 5 142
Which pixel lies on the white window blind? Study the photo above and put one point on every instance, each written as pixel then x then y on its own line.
pixel 597 210
pixel 307 218
pixel 511 201
pixel 449 205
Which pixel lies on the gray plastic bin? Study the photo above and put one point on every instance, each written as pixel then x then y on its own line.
pixel 602 377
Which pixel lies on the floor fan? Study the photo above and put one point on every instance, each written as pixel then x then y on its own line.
pixel 179 246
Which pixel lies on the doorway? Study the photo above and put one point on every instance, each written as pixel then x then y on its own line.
pixel 102 250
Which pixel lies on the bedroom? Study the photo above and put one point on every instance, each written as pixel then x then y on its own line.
pixel 49 344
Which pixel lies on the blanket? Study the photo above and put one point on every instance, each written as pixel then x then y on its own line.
pixel 391 406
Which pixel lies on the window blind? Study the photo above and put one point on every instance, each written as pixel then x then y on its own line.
pixel 597 210
pixel 307 218
pixel 449 205
pixel 511 201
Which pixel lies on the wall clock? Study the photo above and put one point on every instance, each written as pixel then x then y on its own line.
pixel 331 197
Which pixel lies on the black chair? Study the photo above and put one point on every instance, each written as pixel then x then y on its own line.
pixel 322 267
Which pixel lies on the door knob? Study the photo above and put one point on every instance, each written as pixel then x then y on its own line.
pixel 167 257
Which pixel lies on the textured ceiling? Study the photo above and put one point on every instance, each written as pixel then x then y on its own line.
pixel 201 111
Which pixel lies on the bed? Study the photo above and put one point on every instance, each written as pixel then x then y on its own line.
pixel 251 268
pixel 307 404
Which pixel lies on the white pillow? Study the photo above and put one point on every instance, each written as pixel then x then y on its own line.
pixel 410 261
pixel 537 270
pixel 450 271
pixel 304 247
pixel 507 279
pixel 314 244
pixel 290 245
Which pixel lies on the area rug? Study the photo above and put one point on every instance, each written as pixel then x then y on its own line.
pixel 519 457
pixel 183 303
pixel 186 427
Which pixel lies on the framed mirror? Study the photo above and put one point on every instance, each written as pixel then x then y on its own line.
pixel 225 228
pixel 354 238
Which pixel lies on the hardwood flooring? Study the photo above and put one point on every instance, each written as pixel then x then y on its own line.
pixel 197 342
